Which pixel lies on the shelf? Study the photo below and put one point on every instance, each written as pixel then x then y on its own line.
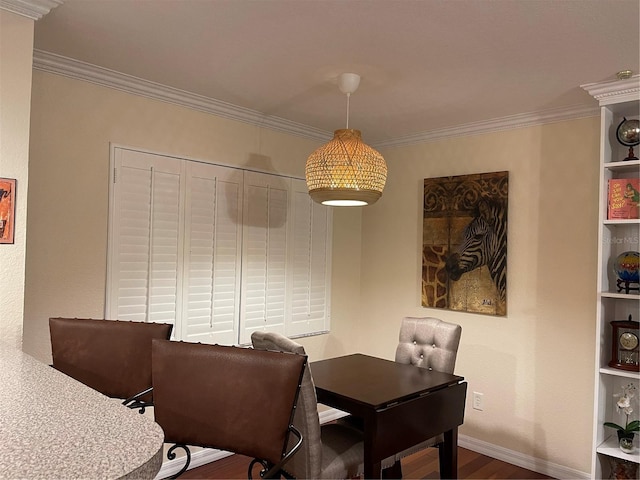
pixel 623 166
pixel 610 448
pixel 634 221
pixel 623 296
pixel 620 373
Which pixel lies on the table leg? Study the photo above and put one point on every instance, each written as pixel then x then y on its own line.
pixel 449 454
pixel 372 468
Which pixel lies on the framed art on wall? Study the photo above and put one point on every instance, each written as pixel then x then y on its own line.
pixel 7 209
pixel 464 243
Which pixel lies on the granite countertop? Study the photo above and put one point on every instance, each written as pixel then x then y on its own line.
pixel 52 426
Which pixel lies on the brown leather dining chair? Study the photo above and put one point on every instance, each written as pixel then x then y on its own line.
pixel 230 398
pixel 110 356
pixel 329 451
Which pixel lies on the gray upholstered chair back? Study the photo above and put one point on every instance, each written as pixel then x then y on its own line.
pixel 307 462
pixel 428 343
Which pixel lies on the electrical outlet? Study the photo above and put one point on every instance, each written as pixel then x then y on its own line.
pixel 478 401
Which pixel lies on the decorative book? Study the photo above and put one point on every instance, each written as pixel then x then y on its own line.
pixel 624 198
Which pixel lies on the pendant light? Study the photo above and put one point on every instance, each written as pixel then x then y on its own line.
pixel 346 172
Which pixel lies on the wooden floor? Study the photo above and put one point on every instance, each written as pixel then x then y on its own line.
pixel 423 464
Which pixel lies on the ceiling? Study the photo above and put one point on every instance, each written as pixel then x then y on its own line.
pixel 425 64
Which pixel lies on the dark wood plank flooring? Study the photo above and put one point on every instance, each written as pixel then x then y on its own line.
pixel 423 464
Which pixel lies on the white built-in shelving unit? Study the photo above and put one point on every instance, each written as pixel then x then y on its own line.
pixel 618 99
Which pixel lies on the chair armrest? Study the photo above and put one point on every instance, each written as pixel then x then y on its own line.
pixel 135 402
pixel 276 470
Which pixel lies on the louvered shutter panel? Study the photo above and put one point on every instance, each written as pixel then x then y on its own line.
pixel 145 238
pixel 264 260
pixel 217 251
pixel 309 263
pixel 213 236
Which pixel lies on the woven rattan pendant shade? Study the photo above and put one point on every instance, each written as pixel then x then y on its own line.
pixel 346 171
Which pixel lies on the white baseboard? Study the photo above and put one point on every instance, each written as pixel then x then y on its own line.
pixel 331 415
pixel 520 459
pixel 201 457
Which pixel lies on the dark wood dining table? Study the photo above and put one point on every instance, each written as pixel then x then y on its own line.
pixel 400 405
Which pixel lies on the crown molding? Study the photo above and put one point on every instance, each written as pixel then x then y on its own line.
pixel 495 125
pixel 615 91
pixel 33 9
pixel 68 67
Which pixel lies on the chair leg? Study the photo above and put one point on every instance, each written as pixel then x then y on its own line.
pixel 171 455
pixel 394 471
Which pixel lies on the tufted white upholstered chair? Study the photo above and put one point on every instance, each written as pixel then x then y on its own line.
pixel 331 451
pixel 427 343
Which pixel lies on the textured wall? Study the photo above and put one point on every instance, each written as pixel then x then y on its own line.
pixel 534 366
pixel 16 47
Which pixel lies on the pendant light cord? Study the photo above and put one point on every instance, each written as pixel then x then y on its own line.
pixel 348 96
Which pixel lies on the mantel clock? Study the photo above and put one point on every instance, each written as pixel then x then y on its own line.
pixel 625 353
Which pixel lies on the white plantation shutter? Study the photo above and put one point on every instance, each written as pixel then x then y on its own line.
pixel 213 236
pixel 309 263
pixel 264 256
pixel 145 238
pixel 219 252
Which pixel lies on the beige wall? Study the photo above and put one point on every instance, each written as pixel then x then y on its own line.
pixel 73 123
pixel 535 366
pixel 16 47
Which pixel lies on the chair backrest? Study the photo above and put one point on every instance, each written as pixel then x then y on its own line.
pixel 110 356
pixel 428 343
pixel 307 463
pixel 231 398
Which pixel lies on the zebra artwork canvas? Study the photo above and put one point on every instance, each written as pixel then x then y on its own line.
pixel 464 261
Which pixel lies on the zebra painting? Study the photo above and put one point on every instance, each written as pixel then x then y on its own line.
pixel 484 242
pixel 464 243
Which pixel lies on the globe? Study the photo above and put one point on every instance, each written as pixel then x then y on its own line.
pixel 626 266
pixel 628 132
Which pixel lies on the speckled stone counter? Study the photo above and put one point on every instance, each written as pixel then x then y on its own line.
pixel 54 427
